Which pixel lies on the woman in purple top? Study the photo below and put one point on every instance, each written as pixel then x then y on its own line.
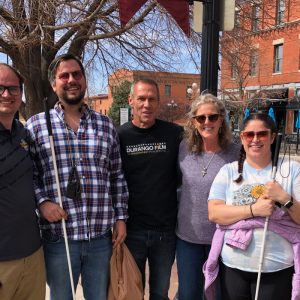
pixel 205 149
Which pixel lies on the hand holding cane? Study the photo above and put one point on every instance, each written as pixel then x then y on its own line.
pixel 47 115
pixel 261 258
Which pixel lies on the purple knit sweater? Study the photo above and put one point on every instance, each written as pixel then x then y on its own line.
pixel 193 225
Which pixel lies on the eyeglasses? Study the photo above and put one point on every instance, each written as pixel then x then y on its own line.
pixel 13 90
pixel 249 135
pixel 211 118
pixel 77 75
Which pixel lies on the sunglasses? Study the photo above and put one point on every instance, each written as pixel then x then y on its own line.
pixel 77 75
pixel 211 118
pixel 13 90
pixel 249 135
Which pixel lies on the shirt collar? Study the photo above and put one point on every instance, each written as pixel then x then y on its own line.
pixel 15 128
pixel 86 111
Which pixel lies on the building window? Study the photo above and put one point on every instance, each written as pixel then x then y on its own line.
pixel 105 111
pixel 168 90
pixel 237 18
pixel 234 71
pixel 278 56
pixel 255 18
pixel 253 63
pixel 280 8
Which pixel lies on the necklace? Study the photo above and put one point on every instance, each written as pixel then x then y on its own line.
pixel 205 168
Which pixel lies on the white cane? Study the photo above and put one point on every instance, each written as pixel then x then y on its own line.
pixel 261 258
pixel 47 114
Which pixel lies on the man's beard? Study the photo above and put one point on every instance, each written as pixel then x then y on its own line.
pixel 73 100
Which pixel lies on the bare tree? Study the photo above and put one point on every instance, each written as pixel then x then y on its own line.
pixel 33 32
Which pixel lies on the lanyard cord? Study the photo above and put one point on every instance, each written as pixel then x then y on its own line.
pixel 74 165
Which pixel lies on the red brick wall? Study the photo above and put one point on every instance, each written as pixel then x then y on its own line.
pixel 100 103
pixel 264 40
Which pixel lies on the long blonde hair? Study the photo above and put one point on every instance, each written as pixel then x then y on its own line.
pixel 193 138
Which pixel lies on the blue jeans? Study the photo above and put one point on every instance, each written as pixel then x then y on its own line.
pixel 159 249
pixel 190 259
pixel 90 259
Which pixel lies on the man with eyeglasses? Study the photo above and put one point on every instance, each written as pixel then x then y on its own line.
pixel 22 267
pixel 93 188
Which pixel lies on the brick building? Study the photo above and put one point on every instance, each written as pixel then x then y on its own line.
pixel 172 87
pixel 100 103
pixel 261 59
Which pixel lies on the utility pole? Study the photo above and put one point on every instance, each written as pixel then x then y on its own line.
pixel 211 17
pixel 210 46
pixel 172 106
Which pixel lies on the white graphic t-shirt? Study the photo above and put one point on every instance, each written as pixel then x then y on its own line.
pixel 278 251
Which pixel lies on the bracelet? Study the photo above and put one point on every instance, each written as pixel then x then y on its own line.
pixel 251 210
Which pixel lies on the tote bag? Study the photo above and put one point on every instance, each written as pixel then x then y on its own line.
pixel 125 276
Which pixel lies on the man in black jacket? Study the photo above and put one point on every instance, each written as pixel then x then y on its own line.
pixel 22 270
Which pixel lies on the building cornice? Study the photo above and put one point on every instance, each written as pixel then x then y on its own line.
pixel 261 32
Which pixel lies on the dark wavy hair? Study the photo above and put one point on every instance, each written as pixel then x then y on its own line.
pixel 56 62
pixel 269 124
pixel 193 138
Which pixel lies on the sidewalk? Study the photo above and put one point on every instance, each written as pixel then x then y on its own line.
pixel 172 291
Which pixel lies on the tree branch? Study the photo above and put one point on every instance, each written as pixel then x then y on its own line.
pixel 6 16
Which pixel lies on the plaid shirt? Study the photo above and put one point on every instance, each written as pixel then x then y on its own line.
pixel 95 150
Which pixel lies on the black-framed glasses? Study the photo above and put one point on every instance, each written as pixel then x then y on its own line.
pixel 249 135
pixel 77 75
pixel 211 118
pixel 14 90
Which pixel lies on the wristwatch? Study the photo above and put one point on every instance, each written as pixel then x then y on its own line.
pixel 289 204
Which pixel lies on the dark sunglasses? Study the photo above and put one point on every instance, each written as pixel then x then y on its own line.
pixel 211 118
pixel 77 75
pixel 13 90
pixel 249 135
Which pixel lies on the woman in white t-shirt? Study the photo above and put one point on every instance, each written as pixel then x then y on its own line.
pixel 244 190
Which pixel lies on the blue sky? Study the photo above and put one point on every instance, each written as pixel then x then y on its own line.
pixel 3 57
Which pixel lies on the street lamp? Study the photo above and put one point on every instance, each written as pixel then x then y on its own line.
pixel 172 105
pixel 193 92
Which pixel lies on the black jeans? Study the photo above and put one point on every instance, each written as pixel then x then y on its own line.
pixel 241 285
pixel 159 249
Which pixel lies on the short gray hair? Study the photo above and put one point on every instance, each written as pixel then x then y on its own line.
pixel 144 80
